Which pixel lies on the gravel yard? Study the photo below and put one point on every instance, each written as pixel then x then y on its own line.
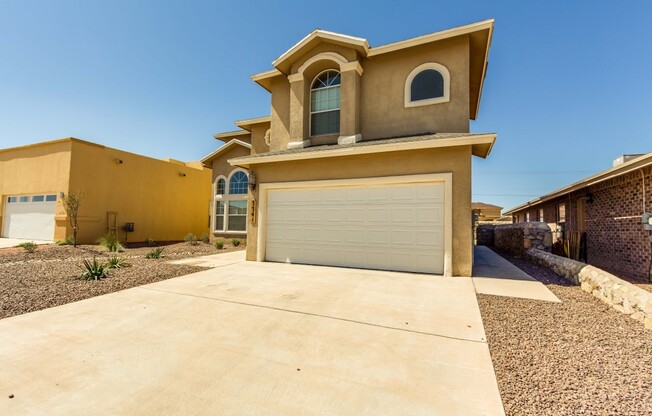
pixel 579 357
pixel 50 276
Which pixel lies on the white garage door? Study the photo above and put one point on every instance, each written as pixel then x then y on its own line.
pixel 29 216
pixel 388 227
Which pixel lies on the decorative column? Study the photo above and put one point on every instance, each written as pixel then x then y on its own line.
pixel 350 103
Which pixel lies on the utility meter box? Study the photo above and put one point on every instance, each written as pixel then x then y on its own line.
pixel 129 227
pixel 646 219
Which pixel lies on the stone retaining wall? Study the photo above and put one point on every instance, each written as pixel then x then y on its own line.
pixel 484 234
pixel 519 237
pixel 621 295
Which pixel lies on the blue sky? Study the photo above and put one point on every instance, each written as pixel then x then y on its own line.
pixel 568 87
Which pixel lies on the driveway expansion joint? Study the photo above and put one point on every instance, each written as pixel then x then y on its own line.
pixel 482 341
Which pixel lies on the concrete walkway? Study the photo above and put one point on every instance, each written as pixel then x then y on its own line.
pixel 13 242
pixel 493 275
pixel 250 338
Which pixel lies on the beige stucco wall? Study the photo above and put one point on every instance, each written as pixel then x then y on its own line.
pixel 382 111
pixel 41 168
pixel 373 104
pixel 258 144
pixel 455 160
pixel 221 166
pixel 149 192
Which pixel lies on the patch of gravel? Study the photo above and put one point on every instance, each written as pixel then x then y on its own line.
pixel 578 357
pixel 50 276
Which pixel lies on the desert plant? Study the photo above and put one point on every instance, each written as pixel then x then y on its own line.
pixel 71 204
pixel 29 246
pixel 68 241
pixel 150 241
pixel 116 262
pixel 235 242
pixel 191 238
pixel 155 253
pixel 219 243
pixel 205 238
pixel 94 270
pixel 111 243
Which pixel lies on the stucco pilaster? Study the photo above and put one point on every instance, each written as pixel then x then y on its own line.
pixel 297 98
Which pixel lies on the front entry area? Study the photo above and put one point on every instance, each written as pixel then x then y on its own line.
pixel 397 226
pixel 29 217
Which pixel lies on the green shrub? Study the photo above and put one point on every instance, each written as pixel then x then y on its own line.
pixel 116 262
pixel 29 246
pixel 219 243
pixel 235 242
pixel 191 238
pixel 150 241
pixel 205 238
pixel 111 243
pixel 155 254
pixel 68 241
pixel 94 270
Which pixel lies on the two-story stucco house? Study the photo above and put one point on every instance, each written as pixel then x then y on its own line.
pixel 365 160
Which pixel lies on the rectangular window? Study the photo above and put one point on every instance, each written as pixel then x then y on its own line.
pixel 50 198
pixel 541 217
pixel 561 213
pixel 219 216
pixel 237 215
pixel 23 199
pixel 12 199
pixel 527 217
pixel 38 198
pixel 325 123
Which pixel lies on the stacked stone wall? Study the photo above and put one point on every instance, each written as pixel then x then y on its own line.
pixel 519 237
pixel 619 294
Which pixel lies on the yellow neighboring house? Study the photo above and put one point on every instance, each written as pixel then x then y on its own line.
pixel 365 159
pixel 164 199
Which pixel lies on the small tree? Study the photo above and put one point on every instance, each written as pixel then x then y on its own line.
pixel 71 204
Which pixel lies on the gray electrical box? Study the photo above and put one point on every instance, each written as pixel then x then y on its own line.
pixel 646 220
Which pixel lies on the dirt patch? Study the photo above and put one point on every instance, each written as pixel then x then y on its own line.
pixel 579 357
pixel 50 276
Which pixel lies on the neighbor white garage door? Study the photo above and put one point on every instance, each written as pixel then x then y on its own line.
pixel 388 227
pixel 29 216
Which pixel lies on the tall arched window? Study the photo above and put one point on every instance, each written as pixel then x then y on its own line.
pixel 231 203
pixel 325 103
pixel 427 84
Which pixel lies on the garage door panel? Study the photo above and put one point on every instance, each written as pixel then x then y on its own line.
pixel 29 220
pixel 392 227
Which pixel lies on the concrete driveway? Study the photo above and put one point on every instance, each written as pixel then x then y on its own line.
pixel 251 338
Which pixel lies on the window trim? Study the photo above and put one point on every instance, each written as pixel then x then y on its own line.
pixel 339 108
pixel 225 198
pixel 430 101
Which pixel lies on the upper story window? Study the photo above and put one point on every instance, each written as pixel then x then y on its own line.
pixel 561 213
pixel 220 187
pixel 238 183
pixel 325 103
pixel 427 84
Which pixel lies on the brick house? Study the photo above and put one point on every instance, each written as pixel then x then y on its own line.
pixel 599 218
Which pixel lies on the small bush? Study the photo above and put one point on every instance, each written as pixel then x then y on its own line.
pixel 68 241
pixel 111 243
pixel 191 238
pixel 205 238
pixel 219 243
pixel 116 262
pixel 29 246
pixel 155 254
pixel 235 242
pixel 94 270
pixel 150 241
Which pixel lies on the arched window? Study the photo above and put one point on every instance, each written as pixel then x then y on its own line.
pixel 427 84
pixel 220 187
pixel 325 103
pixel 238 183
pixel 231 203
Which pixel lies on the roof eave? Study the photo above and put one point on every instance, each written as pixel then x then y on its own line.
pixel 487 139
pixel 209 158
pixel 631 166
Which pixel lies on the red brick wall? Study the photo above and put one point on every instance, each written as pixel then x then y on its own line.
pixel 616 240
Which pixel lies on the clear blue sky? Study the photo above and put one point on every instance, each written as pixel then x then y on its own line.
pixel 568 87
